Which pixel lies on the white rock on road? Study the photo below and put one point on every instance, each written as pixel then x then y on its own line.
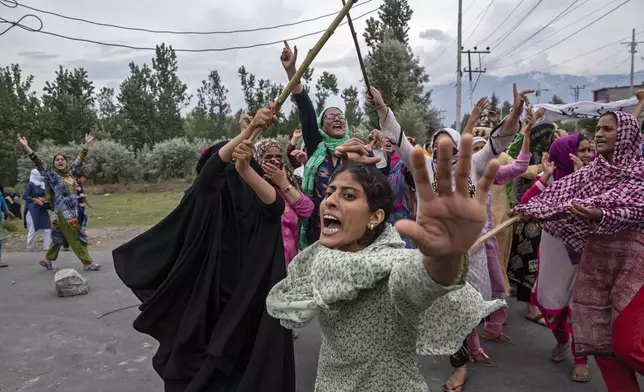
pixel 69 282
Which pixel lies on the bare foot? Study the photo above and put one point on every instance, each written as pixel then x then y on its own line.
pixel 457 381
pixel 580 373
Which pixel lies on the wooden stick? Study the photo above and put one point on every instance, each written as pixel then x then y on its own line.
pixel 495 231
pixel 357 45
pixel 118 310
pixel 295 80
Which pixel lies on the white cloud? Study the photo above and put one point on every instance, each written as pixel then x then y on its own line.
pixel 432 37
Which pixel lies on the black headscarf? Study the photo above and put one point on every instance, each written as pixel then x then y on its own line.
pixel 203 274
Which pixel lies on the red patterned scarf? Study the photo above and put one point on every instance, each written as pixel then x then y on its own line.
pixel 617 189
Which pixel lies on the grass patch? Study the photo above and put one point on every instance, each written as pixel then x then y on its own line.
pixel 130 209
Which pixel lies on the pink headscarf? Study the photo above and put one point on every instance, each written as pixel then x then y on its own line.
pixel 617 189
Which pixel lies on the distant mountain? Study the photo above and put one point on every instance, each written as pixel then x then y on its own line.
pixel 444 96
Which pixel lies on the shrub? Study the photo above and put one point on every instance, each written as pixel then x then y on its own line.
pixel 107 161
pixel 174 158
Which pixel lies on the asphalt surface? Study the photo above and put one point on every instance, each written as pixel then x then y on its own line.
pixel 58 344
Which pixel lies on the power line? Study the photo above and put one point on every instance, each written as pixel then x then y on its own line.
pixel 566 38
pixel 225 49
pixel 501 24
pixel 535 33
pixel 14 4
pixel 577 21
pixel 495 44
pixel 480 20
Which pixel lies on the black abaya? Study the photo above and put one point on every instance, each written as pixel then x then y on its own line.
pixel 203 274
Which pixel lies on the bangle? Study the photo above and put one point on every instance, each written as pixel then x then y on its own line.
pixel 384 105
pixel 287 189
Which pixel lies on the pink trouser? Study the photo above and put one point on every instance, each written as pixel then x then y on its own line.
pixel 498 318
pixel 562 338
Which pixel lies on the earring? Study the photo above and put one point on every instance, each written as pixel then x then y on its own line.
pixel 370 227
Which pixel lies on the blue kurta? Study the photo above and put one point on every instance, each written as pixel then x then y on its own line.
pixel 38 214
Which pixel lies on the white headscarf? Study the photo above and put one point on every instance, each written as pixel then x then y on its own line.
pixel 479 139
pixel 455 136
pixel 36 178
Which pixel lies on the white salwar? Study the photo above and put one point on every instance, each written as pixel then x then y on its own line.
pixel 31 234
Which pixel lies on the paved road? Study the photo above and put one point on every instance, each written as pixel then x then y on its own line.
pixel 58 345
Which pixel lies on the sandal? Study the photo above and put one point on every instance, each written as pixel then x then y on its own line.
pixel 559 355
pixel 498 338
pixel 46 265
pixel 479 356
pixel 575 376
pixel 93 267
pixel 540 319
pixel 449 386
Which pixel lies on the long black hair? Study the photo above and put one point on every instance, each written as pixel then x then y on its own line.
pixel 378 192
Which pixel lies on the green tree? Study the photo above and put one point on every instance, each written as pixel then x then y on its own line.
pixel 411 116
pixel 68 106
pixel 138 107
pixel 505 109
pixel 352 110
pixel 19 112
pixel 394 15
pixel 109 118
pixel 171 94
pixel 212 104
pixel 556 100
pixel 494 103
pixel 257 93
pixel 197 125
pixel 394 70
pixel 326 86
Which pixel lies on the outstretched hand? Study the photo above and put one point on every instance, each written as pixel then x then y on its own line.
pixel 23 142
pixel 519 99
pixel 355 151
pixel 450 222
pixel 89 138
pixel 289 59
pixel 242 155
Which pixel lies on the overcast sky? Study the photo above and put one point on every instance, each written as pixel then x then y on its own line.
pixel 433 32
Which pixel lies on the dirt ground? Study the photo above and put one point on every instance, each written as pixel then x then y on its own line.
pixel 99 239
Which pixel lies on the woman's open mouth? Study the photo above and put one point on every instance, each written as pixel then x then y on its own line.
pixel 337 126
pixel 331 224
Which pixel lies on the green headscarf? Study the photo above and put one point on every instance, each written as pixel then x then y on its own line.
pixel 315 160
pixel 317 157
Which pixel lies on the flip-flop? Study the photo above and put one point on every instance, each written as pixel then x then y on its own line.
pixel 540 319
pixel 558 356
pixel 497 338
pixel 458 388
pixel 581 380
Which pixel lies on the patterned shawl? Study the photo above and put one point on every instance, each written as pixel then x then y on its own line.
pixel 319 279
pixel 617 189
pixel 264 145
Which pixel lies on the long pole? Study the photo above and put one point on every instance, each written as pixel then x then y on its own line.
pixel 633 64
pixel 357 44
pixel 459 47
pixel 633 45
pixel 295 80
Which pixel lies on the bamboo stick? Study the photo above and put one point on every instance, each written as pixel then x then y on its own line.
pixel 295 80
pixel 495 231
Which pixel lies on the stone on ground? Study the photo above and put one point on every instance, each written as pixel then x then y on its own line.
pixel 69 283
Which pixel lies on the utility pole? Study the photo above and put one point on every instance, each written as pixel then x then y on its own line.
pixel 459 74
pixel 633 45
pixel 441 116
pixel 479 70
pixel 539 91
pixel 575 92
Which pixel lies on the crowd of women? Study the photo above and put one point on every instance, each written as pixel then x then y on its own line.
pixel 388 260
pixel 378 242
pixel 58 188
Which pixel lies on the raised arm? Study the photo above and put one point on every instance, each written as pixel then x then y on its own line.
pixel 49 176
pixel 389 128
pixel 476 115
pixel 509 172
pixel 637 112
pixel 308 118
pixel 302 205
pixel 243 154
pixel 77 164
